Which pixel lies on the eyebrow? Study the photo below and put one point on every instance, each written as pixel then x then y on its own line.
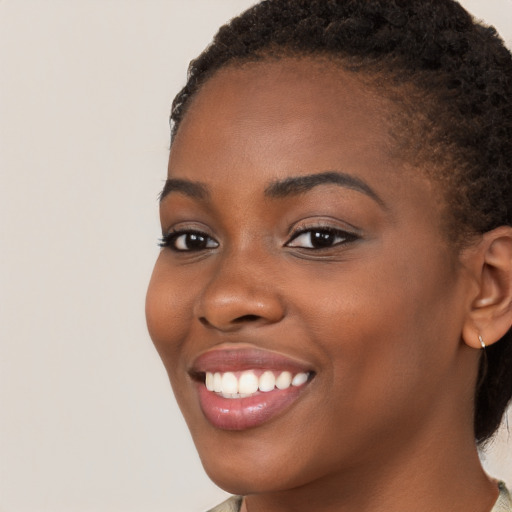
pixel 278 189
pixel 192 189
pixel 301 184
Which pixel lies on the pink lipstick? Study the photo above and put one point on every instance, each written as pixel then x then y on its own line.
pixel 244 388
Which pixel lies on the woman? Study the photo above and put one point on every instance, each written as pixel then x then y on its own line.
pixel 334 294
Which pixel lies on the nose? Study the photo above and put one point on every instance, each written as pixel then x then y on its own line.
pixel 239 294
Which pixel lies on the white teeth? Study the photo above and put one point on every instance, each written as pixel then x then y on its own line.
pixel 248 383
pixel 229 383
pixel 299 379
pixel 284 380
pixel 209 381
pixel 217 382
pixel 267 382
pixel 230 395
pixel 229 386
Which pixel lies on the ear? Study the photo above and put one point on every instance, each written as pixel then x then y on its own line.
pixel 490 315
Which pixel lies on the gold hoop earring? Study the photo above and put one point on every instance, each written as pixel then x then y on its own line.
pixel 482 342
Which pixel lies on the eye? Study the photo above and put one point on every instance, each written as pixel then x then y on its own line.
pixel 320 238
pixel 188 241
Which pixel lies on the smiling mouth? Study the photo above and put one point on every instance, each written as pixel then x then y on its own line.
pixel 233 385
pixel 242 389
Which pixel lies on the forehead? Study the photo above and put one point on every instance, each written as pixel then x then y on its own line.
pixel 288 114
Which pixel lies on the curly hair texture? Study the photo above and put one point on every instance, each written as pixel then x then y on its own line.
pixel 451 79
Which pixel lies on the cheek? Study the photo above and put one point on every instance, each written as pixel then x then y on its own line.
pixel 168 312
pixel 381 327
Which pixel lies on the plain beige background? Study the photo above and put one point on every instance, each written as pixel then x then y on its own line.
pixel 87 420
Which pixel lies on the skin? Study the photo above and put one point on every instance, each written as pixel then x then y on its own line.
pixel 386 316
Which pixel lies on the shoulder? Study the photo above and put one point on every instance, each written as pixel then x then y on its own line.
pixel 504 503
pixel 234 504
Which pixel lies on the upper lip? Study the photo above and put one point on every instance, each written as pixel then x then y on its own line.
pixel 246 358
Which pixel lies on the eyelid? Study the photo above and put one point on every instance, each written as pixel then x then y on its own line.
pixel 322 222
pixel 181 227
pixel 325 223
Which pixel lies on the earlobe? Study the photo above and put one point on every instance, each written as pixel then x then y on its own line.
pixel 490 316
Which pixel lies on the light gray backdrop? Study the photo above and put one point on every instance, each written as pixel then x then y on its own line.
pixel 87 420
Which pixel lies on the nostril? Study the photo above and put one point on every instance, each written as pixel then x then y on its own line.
pixel 246 318
pixel 204 321
pixel 238 320
pixel 235 321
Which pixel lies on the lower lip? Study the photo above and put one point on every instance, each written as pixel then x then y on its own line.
pixel 245 413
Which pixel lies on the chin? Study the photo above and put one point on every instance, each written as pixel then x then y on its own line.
pixel 252 476
pixel 255 461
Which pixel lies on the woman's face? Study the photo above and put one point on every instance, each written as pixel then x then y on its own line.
pixel 296 248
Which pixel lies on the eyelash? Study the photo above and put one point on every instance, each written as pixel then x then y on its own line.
pixel 206 242
pixel 344 236
pixel 169 240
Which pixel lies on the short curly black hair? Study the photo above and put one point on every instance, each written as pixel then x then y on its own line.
pixel 457 109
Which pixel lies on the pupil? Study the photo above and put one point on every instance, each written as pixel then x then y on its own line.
pixel 322 239
pixel 196 241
